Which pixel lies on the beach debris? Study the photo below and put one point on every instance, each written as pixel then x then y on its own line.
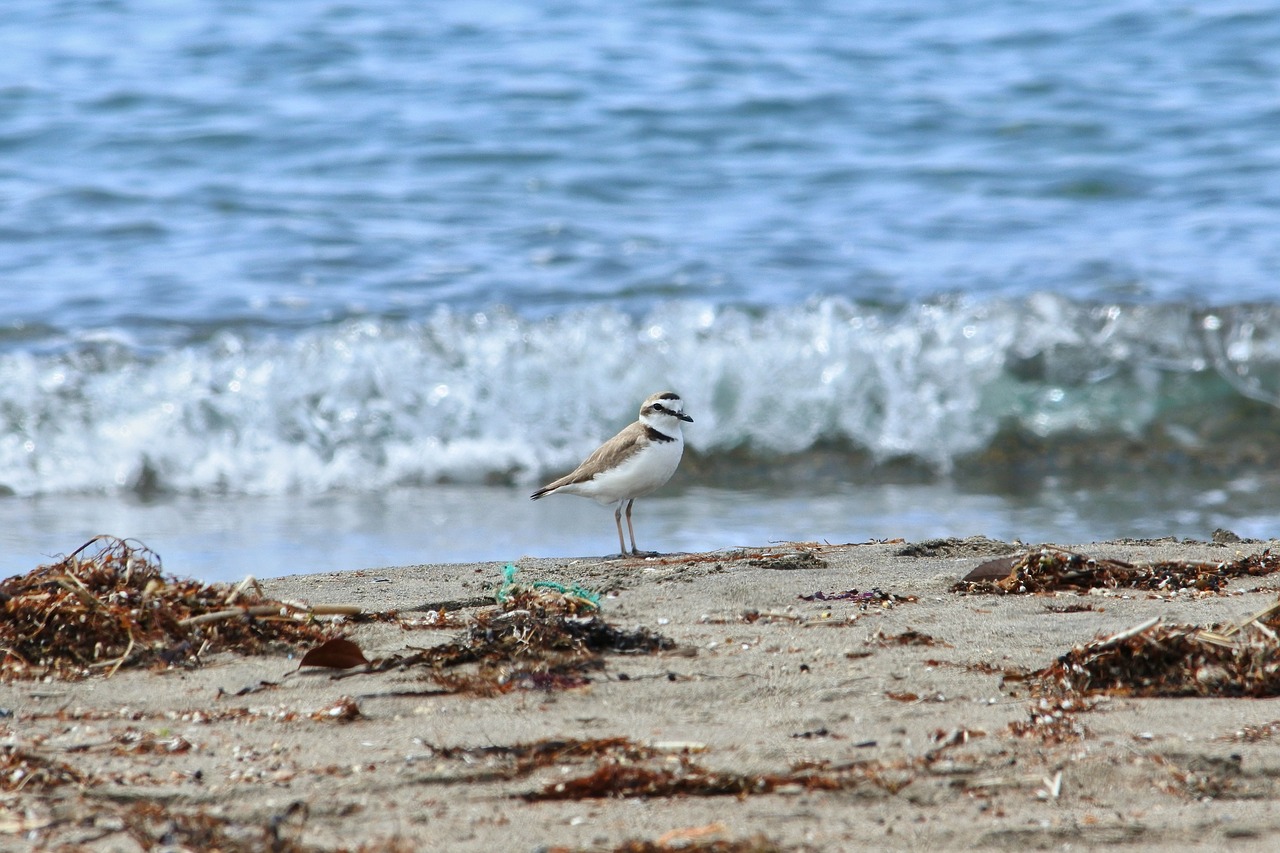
pixel 1255 734
pixel 702 839
pixel 994 570
pixel 1053 721
pixel 1157 659
pixel 1153 659
pixel 22 769
pixel 680 776
pixel 863 602
pixel 27 819
pixel 583 598
pixel 875 597
pixel 956 547
pixel 430 620
pixel 631 781
pixel 159 825
pixel 783 556
pixel 108 605
pixel 909 637
pixel 342 710
pixel 133 741
pixel 788 560
pixel 1211 777
pixel 153 825
pixel 1074 607
pixel 1051 569
pixel 536 638
pixel 822 732
pixel 521 759
pixel 1052 787
pixel 337 653
pixel 1222 536
pixel 752 616
pixel 686 834
pixel 249 689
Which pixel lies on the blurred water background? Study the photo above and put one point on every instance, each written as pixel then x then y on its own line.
pixel 327 285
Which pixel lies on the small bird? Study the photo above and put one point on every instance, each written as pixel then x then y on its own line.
pixel 632 464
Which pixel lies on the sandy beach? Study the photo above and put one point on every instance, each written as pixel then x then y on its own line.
pixel 786 713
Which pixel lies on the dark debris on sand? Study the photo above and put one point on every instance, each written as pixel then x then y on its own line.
pixel 1157 659
pixel 1050 569
pixel 109 605
pixel 535 639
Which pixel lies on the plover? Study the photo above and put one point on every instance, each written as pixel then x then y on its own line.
pixel 631 464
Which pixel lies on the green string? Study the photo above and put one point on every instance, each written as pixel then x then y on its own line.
pixel 509 586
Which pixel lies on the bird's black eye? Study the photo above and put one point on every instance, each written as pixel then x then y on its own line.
pixel 657 407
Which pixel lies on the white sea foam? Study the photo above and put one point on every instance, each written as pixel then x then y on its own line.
pixel 476 397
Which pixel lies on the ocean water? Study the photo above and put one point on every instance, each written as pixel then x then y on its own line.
pixel 332 285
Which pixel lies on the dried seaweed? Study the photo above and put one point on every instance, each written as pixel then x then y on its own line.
pixel 1052 721
pixel 788 561
pixel 802 555
pixel 626 780
pixel 151 825
pixel 1053 569
pixel 870 598
pixel 343 710
pixel 1255 734
pixel 537 638
pixel 96 611
pixel 137 742
pixel 1155 659
pixel 910 637
pixel 21 769
pixel 685 778
pixel 523 758
pixel 758 843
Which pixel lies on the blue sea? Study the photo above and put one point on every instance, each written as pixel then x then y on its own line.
pixel 325 285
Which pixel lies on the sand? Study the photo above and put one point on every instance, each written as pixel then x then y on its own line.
pixel 761 682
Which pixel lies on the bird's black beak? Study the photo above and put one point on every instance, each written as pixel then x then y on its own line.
pixel 682 416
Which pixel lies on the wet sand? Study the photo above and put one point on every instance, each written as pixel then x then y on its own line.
pixel 906 703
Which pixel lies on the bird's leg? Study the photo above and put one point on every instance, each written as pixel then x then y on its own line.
pixel 617 517
pixel 630 529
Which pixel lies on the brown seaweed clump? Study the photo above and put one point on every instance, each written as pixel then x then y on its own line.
pixel 97 611
pixel 535 639
pixel 624 780
pixel 1155 659
pixel 1051 569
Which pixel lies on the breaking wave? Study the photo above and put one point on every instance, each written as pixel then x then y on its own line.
pixel 949 386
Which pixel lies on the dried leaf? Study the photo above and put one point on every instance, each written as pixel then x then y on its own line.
pixel 338 653
pixel 994 569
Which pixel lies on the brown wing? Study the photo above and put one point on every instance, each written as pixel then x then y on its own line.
pixel 608 455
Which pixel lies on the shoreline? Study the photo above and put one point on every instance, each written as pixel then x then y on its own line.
pixel 901 706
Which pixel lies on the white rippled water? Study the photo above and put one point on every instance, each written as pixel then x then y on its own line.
pixel 489 397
